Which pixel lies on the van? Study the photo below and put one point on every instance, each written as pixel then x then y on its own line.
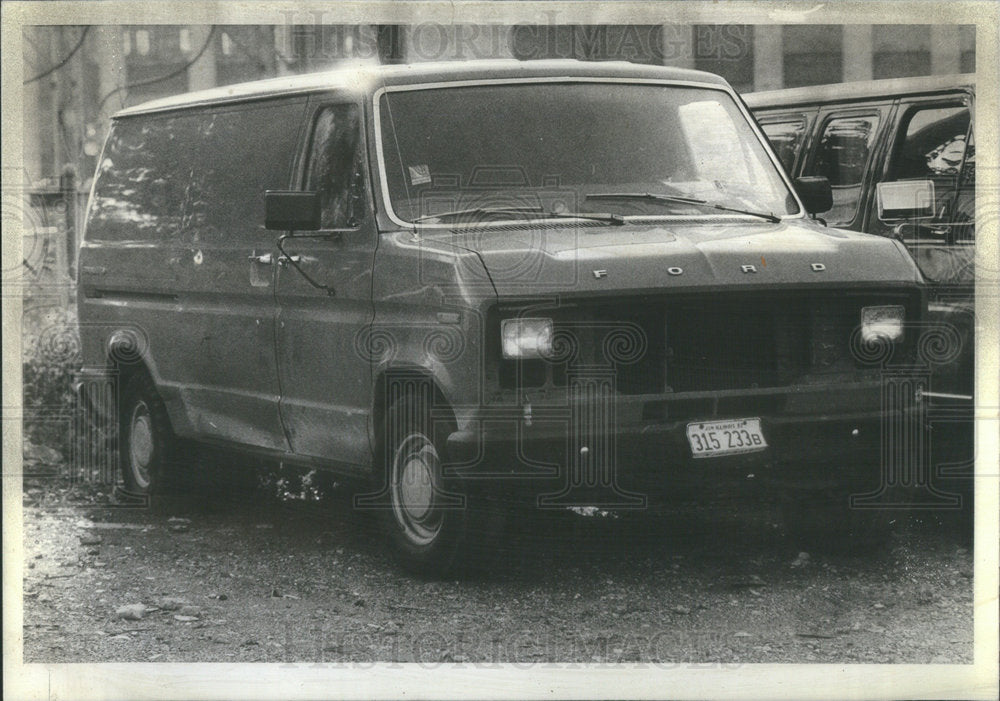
pixel 477 287
pixel 900 157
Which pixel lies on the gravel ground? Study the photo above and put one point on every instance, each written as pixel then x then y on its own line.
pixel 265 579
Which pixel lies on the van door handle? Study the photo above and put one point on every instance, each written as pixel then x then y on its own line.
pixel 263 258
pixel 285 260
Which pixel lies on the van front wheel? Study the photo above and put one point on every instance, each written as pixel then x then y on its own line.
pixel 414 487
pixel 432 525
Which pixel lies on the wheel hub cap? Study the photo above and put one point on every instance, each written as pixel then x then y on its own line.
pixel 416 488
pixel 141 445
pixel 414 502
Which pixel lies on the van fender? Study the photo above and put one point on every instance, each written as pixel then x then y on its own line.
pixel 124 352
pixel 444 348
pixel 127 352
pixel 437 378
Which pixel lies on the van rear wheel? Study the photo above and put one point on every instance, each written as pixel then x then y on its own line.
pixel 147 444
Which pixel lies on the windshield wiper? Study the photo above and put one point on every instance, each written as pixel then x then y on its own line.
pixel 616 219
pixel 479 212
pixel 682 200
pixel 523 211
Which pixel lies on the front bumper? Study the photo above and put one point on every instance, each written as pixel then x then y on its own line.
pixel 606 453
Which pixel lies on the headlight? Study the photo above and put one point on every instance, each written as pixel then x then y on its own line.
pixel 882 323
pixel 526 338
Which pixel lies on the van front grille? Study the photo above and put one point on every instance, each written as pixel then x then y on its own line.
pixel 707 343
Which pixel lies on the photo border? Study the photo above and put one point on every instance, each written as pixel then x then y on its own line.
pixel 550 680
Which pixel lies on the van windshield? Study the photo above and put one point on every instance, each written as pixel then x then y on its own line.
pixel 512 151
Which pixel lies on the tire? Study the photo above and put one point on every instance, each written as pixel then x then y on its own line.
pixel 434 527
pixel 147 446
pixel 822 522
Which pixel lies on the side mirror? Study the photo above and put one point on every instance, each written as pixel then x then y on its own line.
pixel 905 200
pixel 291 210
pixel 815 193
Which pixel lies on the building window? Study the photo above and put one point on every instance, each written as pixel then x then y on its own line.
pixel 251 54
pixel 901 50
pixel 967 44
pixel 142 42
pixel 727 50
pixel 813 54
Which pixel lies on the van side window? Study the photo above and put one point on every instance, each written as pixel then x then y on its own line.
pixel 226 185
pixel 936 145
pixel 842 157
pixel 138 196
pixel 786 139
pixel 187 177
pixel 336 166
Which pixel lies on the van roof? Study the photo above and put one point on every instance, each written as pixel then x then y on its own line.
pixel 365 77
pixel 862 90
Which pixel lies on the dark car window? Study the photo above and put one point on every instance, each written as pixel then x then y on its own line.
pixel 936 144
pixel 786 139
pixel 843 154
pixel 336 166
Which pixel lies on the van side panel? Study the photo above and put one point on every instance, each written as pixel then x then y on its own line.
pixel 176 216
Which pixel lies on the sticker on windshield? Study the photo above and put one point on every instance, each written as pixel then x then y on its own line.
pixel 420 175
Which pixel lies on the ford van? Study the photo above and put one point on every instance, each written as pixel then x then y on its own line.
pixel 485 286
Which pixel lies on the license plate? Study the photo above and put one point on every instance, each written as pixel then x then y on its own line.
pixel 709 439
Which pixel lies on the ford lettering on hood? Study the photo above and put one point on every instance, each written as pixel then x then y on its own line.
pixel 647 257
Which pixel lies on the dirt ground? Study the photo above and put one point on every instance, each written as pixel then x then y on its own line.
pixel 261 578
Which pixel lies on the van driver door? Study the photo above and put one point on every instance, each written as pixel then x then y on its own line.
pixel 323 293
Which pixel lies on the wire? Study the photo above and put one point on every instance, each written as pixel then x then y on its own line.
pixel 168 76
pixel 53 69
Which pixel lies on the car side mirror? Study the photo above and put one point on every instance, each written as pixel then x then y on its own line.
pixel 815 193
pixel 905 200
pixel 291 210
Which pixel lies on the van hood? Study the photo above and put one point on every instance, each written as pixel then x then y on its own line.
pixel 598 259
